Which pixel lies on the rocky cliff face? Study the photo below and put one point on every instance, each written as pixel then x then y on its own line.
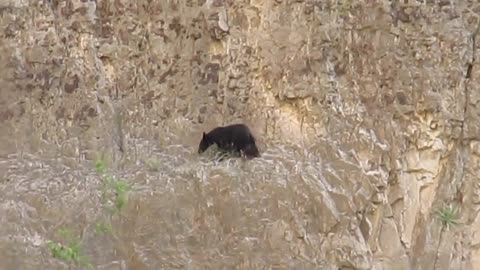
pixel 366 112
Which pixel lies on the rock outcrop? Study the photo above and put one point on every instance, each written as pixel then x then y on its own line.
pixel 379 98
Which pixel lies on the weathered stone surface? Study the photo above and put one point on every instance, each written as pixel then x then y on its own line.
pixel 375 98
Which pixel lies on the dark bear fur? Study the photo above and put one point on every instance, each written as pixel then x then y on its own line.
pixel 235 138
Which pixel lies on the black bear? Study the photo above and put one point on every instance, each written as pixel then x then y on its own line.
pixel 234 138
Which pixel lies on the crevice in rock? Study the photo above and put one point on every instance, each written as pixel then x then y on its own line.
pixel 461 140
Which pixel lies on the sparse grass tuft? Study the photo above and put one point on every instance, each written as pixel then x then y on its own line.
pixel 153 165
pixel 100 166
pixel 114 191
pixel 70 252
pixel 344 7
pixel 448 215
pixel 216 154
pixel 121 189
pixel 102 227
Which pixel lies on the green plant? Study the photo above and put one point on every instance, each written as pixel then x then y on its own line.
pixel 114 191
pixel 121 189
pixel 102 227
pixel 448 215
pixel 70 252
pixel 100 166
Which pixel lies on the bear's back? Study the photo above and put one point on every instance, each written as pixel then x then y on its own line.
pixel 237 134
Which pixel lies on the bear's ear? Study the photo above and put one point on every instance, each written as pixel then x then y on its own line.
pixel 204 135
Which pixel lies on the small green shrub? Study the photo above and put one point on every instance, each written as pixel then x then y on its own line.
pixel 70 252
pixel 103 227
pixel 114 191
pixel 121 189
pixel 448 215
pixel 100 166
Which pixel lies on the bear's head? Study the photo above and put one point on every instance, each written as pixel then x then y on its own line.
pixel 204 143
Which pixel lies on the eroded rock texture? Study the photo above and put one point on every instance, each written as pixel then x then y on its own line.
pixel 377 98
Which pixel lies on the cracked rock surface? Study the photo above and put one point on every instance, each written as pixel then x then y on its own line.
pixel 365 113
